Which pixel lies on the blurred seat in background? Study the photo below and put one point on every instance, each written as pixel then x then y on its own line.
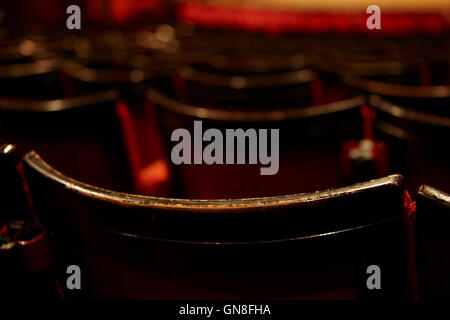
pixel 244 90
pixel 410 78
pixel 43 109
pixel 252 72
pixel 310 146
pixel 254 81
pixel 130 62
pixel 28 69
pixel 80 134
pixel 416 142
pixel 389 59
pixel 426 86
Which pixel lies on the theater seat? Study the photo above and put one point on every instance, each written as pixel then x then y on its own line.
pixel 80 135
pixel 310 142
pixel 416 140
pixel 295 246
pixel 433 243
pixel 430 98
pixel 250 90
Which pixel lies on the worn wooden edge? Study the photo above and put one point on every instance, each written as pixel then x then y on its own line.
pixel 92 75
pixel 30 68
pixel 252 115
pixel 435 195
pixel 408 114
pixel 397 90
pixel 222 206
pixel 290 61
pixel 364 68
pixel 29 105
pixel 239 82
pixel 36 163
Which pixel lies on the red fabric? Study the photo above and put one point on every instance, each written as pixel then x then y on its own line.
pixel 153 177
pixel 3 228
pixel 129 133
pixel 425 75
pixel 410 217
pixel 317 92
pixel 42 11
pixel 275 21
pixel 95 10
pixel 180 88
pixel 27 193
pixel 123 12
pixel 368 115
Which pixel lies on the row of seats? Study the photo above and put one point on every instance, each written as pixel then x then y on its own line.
pixel 96 139
pixel 312 245
pixel 306 86
pixel 100 108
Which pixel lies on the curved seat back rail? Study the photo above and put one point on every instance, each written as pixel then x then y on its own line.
pixel 287 246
